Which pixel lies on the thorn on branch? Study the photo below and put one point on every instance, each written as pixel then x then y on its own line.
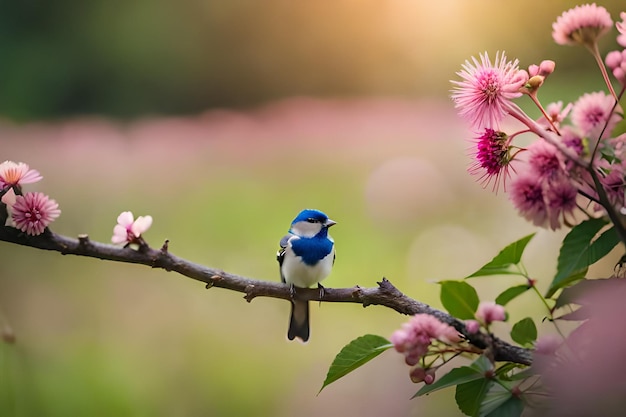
pixel 249 290
pixel 386 286
pixel 212 281
pixel 166 246
pixel 83 240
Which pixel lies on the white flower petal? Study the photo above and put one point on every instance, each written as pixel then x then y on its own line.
pixel 141 225
pixel 125 219
pixel 120 235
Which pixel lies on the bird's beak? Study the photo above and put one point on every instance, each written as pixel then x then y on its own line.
pixel 329 223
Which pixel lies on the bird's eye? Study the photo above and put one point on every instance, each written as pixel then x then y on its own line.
pixel 311 220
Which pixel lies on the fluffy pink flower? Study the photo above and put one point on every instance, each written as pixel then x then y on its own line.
pixel 527 197
pixel 560 197
pixel 33 212
pixel 492 158
pixel 16 174
pixel 591 112
pixel 486 90
pixel 489 311
pixel 128 230
pixel 414 338
pixel 581 25
pixel 556 113
pixel 621 28
pixel 545 160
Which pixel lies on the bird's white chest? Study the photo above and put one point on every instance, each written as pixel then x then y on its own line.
pixel 302 275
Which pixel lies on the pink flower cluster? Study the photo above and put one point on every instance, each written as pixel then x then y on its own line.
pixel 549 177
pixel 415 336
pixel 489 311
pixel 31 213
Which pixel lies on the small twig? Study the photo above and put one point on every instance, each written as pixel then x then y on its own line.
pixel 384 295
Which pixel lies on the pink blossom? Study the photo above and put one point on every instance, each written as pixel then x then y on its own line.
pixel 614 186
pixel 560 197
pixel 545 68
pixel 538 74
pixel 545 160
pixel 591 112
pixel 489 311
pixel 556 113
pixel 581 25
pixel 484 94
pixel 419 374
pixel 492 158
pixel 621 28
pixel 472 326
pixel 128 230
pixel 616 61
pixel 527 197
pixel 572 140
pixel 33 212
pixel 415 336
pixel 16 174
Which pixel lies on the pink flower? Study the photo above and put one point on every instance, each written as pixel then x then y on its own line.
pixel 472 326
pixel 16 174
pixel 484 94
pixel 419 374
pixel 581 25
pixel 561 200
pixel 526 194
pixel 489 311
pixel 492 158
pixel 128 230
pixel 538 74
pixel 33 212
pixel 414 338
pixel 545 68
pixel 621 28
pixel 616 61
pixel 545 160
pixel 591 112
pixel 556 113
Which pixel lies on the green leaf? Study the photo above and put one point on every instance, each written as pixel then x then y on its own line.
pixel 459 298
pixel 470 395
pixel 499 402
pixel 524 331
pixel 458 376
pixel 513 407
pixel 455 377
pixel 482 364
pixel 510 255
pixel 356 353
pixel 579 250
pixel 511 293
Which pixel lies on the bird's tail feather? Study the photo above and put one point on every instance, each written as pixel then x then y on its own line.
pixel 299 322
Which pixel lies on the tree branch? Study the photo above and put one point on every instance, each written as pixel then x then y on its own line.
pixel 385 294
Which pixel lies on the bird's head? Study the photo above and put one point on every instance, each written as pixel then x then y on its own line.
pixel 309 223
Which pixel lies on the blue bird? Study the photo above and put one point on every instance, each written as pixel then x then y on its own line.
pixel 306 256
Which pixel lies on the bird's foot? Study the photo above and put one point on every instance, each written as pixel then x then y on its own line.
pixel 322 290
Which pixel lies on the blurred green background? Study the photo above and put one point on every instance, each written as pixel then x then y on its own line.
pixel 222 120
